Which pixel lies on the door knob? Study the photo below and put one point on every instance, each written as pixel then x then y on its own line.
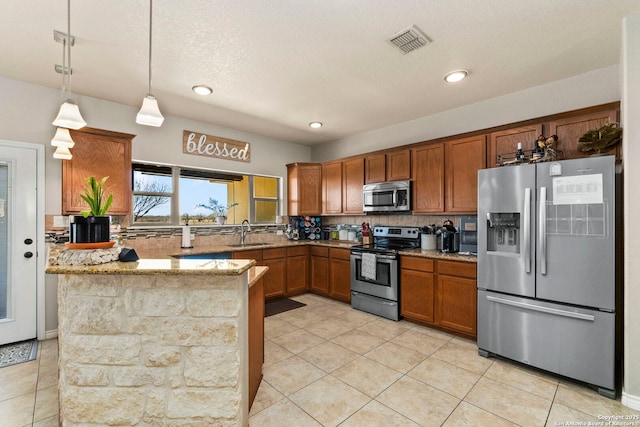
pixel 28 254
pixel 28 241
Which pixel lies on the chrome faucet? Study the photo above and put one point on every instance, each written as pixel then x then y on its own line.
pixel 244 232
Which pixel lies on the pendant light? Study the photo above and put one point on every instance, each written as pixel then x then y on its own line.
pixel 149 114
pixel 69 115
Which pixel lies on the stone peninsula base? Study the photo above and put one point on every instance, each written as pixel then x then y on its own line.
pixel 159 350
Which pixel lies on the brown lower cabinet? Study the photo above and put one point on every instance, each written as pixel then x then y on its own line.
pixel 439 293
pixel 339 274
pixel 256 337
pixel 297 270
pixel 319 270
pixel 275 280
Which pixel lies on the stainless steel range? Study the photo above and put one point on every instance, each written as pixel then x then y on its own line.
pixel 375 274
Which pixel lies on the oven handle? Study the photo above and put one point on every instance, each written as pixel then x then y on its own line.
pixel 384 257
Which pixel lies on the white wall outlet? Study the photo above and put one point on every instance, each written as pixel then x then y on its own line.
pixel 60 221
pixel 279 233
pixel 192 236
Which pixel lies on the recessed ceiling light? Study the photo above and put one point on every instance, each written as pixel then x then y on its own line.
pixel 455 76
pixel 202 90
pixel 315 125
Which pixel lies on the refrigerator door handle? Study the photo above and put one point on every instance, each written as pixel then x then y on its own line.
pixel 542 227
pixel 527 230
pixel 541 309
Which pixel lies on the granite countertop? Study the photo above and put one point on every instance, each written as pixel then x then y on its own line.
pixel 171 266
pixel 345 244
pixel 459 256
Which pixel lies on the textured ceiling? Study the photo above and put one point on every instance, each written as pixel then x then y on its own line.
pixel 275 66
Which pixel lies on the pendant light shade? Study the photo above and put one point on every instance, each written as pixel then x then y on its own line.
pixel 69 116
pixel 149 114
pixel 62 138
pixel 62 153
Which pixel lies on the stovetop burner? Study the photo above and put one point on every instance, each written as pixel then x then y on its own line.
pixel 389 240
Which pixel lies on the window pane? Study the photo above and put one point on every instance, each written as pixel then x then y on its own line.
pixel 203 200
pixel 265 188
pixel 266 211
pixel 154 205
pixel 152 209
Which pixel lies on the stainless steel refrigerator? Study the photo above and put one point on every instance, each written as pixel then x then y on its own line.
pixel 547 267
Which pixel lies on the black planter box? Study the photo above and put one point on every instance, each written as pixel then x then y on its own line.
pixel 92 229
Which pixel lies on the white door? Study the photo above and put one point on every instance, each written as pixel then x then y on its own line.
pixel 18 235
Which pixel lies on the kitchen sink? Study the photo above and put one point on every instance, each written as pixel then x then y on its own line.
pixel 247 245
pixel 210 255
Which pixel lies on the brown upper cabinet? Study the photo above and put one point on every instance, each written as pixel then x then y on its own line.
pixel 375 168
pixel 570 129
pixel 98 153
pixel 464 158
pixel 342 183
pixel 352 182
pixel 428 178
pixel 304 188
pixel 332 188
pixel 394 165
pixel 505 142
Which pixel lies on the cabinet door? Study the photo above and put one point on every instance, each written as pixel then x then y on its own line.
pixel 465 157
pixel 506 142
pixel 417 296
pixel 98 153
pixel 304 188
pixel 399 165
pixel 375 168
pixel 340 275
pixel 297 270
pixel 570 129
pixel 320 275
pixel 332 188
pixel 428 178
pixel 457 304
pixel 256 337
pixel 276 278
pixel 352 182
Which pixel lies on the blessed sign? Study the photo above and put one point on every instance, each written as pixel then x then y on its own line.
pixel 215 146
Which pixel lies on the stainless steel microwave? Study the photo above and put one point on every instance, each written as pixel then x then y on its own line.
pixel 387 197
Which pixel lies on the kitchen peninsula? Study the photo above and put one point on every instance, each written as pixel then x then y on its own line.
pixel 158 341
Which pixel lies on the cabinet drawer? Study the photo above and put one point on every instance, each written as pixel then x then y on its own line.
pixel 274 253
pixel 297 251
pixel 416 263
pixel 339 253
pixel 319 251
pixel 453 268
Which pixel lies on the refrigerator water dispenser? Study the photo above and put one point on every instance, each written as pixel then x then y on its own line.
pixel 503 232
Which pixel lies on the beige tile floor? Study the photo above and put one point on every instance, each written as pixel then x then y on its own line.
pixel 328 365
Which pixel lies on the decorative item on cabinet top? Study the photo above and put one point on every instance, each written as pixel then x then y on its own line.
pixel 544 151
pixel 601 139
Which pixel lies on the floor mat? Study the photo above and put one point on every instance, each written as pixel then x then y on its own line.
pixel 280 306
pixel 12 354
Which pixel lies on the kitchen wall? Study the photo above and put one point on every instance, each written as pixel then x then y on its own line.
pixel 26 113
pixel 631 154
pixel 585 90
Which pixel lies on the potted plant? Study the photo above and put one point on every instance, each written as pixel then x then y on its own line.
pixel 219 210
pixel 93 225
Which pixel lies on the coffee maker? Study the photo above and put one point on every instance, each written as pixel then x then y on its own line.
pixel 449 238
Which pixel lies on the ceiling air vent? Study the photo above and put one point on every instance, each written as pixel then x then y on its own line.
pixel 410 39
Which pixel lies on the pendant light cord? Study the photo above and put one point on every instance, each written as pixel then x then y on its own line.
pixel 68 38
pixel 150 31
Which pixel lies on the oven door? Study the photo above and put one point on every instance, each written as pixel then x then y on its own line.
pixel 386 283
